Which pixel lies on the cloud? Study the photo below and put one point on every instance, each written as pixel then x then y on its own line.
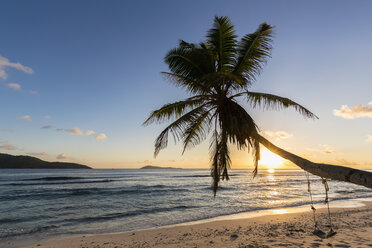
pixel 47 117
pixel 59 129
pixel 278 134
pixel 33 92
pixel 62 156
pixel 14 86
pixel 356 111
pixel 369 138
pixel 6 146
pixel 327 149
pixel 26 117
pixel 75 131
pixel 36 153
pixel 101 136
pixel 46 127
pixel 89 132
pixel 4 63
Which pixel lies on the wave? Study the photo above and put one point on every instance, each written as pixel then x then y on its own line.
pixel 12 232
pixel 74 182
pixel 62 193
pixel 204 175
pixel 119 215
pixel 53 178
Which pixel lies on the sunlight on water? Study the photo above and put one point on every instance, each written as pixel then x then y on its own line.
pixel 280 211
pixel 271 178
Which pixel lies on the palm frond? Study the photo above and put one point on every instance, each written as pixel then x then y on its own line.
pixel 221 38
pixel 256 155
pixel 177 128
pixel 240 129
pixel 191 85
pixel 269 101
pixel 253 51
pixel 174 110
pixel 190 61
pixel 214 150
pixel 216 80
pixel 220 157
pixel 238 124
pixel 197 131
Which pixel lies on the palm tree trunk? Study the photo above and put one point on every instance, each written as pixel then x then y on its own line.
pixel 335 172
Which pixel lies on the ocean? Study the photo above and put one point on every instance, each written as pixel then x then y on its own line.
pixel 38 204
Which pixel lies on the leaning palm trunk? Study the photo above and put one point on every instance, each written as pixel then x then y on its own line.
pixel 335 172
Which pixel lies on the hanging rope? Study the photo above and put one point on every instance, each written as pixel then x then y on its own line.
pixel 311 200
pixel 331 232
pixel 316 231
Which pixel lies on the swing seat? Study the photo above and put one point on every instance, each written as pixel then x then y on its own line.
pixel 319 233
pixel 330 233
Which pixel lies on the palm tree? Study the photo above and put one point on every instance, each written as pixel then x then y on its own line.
pixel 218 73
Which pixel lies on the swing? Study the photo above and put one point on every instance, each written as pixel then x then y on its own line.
pixel 317 231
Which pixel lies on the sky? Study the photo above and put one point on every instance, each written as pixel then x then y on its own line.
pixel 78 78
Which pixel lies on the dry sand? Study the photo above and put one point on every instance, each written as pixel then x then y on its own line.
pixel 353 226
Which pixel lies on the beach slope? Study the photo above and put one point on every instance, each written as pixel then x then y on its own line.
pixel 353 227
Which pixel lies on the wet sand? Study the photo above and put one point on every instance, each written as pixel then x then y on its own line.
pixel 353 227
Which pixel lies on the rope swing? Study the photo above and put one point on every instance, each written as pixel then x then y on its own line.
pixel 317 231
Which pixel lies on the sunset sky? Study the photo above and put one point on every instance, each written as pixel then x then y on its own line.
pixel 78 78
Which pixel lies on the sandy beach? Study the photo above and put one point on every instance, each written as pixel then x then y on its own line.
pixel 353 227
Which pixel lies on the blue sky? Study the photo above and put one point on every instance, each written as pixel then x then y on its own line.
pixel 95 65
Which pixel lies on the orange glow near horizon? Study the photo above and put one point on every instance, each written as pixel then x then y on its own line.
pixel 270 160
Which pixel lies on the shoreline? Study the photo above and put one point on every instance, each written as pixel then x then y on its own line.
pixel 158 236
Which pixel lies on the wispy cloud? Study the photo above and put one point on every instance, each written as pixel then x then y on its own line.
pixel 324 148
pixel 62 156
pixel 356 111
pixel 6 146
pixel 278 134
pixel 14 86
pixel 78 131
pixel 101 136
pixel 89 132
pixel 36 153
pixel 369 138
pixel 75 131
pixel 26 117
pixel 5 63
pixel 47 117
pixel 327 149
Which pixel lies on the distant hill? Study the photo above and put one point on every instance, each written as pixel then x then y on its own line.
pixel 8 161
pixel 157 167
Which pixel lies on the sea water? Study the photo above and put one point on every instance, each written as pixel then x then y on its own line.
pixel 38 204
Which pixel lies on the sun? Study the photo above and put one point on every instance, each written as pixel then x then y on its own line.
pixel 271 170
pixel 270 160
